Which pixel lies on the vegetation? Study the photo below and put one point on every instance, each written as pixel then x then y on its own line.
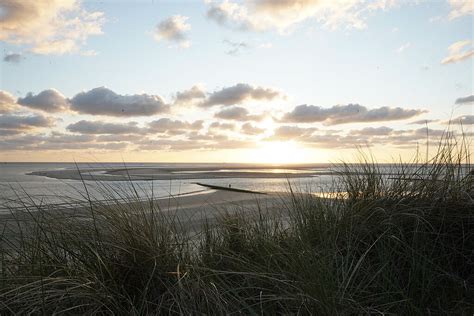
pixel 399 244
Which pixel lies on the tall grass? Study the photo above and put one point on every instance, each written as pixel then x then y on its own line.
pixel 398 242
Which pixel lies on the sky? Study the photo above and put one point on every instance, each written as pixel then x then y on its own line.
pixel 257 81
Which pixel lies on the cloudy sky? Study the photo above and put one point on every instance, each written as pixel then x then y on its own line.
pixel 280 81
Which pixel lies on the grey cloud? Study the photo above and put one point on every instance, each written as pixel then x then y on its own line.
pixel 12 58
pixel 240 93
pixel 189 96
pixel 173 29
pixel 166 125
pixel 238 114
pixel 351 113
pixel 222 126
pixel 462 120
pixel 196 142
pixel 7 102
pixel 374 136
pixel 171 144
pixel 49 100
pixel 423 122
pixel 97 127
pixel 10 132
pixel 235 48
pixel 19 122
pixel 59 141
pixel 103 101
pixel 250 129
pixel 207 136
pixel 371 131
pixel 292 132
pixel 119 138
pixel 465 100
pixel 222 14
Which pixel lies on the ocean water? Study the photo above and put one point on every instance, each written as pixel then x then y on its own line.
pixel 16 183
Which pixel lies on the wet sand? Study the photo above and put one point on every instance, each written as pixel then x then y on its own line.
pixel 139 173
pixel 192 212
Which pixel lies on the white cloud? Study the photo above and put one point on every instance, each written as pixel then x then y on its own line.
pixel 7 102
pixel 458 52
pixel 460 8
pixel 48 26
pixel 404 47
pixel 283 14
pixel 174 29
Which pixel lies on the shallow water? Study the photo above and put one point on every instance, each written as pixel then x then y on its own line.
pixel 16 182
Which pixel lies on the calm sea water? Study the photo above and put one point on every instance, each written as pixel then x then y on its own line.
pixel 15 183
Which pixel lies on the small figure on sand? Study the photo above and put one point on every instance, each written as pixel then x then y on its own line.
pixel 230 185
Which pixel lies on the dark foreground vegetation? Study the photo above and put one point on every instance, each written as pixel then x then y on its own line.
pixel 394 245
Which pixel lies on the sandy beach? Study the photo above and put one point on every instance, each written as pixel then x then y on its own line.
pixel 191 210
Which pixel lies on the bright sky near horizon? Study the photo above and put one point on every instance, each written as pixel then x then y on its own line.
pixel 272 81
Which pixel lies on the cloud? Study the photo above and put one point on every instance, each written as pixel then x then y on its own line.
pixel 465 100
pixel 462 120
pixel 222 126
pixel 189 96
pixel 14 58
pixel 174 127
pixel 371 131
pixel 351 113
pixel 171 144
pixel 25 123
pixel 238 114
pixel 174 29
pixel 281 15
pixel 97 127
pixel 371 136
pixel 404 47
pixel 48 26
pixel 422 122
pixel 235 48
pixel 287 132
pixel 458 52
pixel 50 100
pixel 240 93
pixel 59 141
pixel 460 8
pixel 250 129
pixel 103 101
pixel 7 102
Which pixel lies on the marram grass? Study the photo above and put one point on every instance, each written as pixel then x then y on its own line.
pixel 383 245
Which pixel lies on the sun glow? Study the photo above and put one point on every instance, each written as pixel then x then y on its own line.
pixel 280 152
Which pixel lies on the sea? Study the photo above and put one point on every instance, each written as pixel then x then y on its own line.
pixel 17 184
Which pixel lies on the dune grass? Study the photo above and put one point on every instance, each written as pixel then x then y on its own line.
pixel 400 244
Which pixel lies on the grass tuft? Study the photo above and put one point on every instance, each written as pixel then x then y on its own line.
pixel 394 239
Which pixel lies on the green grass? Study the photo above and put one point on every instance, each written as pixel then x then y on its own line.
pixel 383 245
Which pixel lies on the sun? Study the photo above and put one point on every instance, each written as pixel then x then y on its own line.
pixel 279 152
